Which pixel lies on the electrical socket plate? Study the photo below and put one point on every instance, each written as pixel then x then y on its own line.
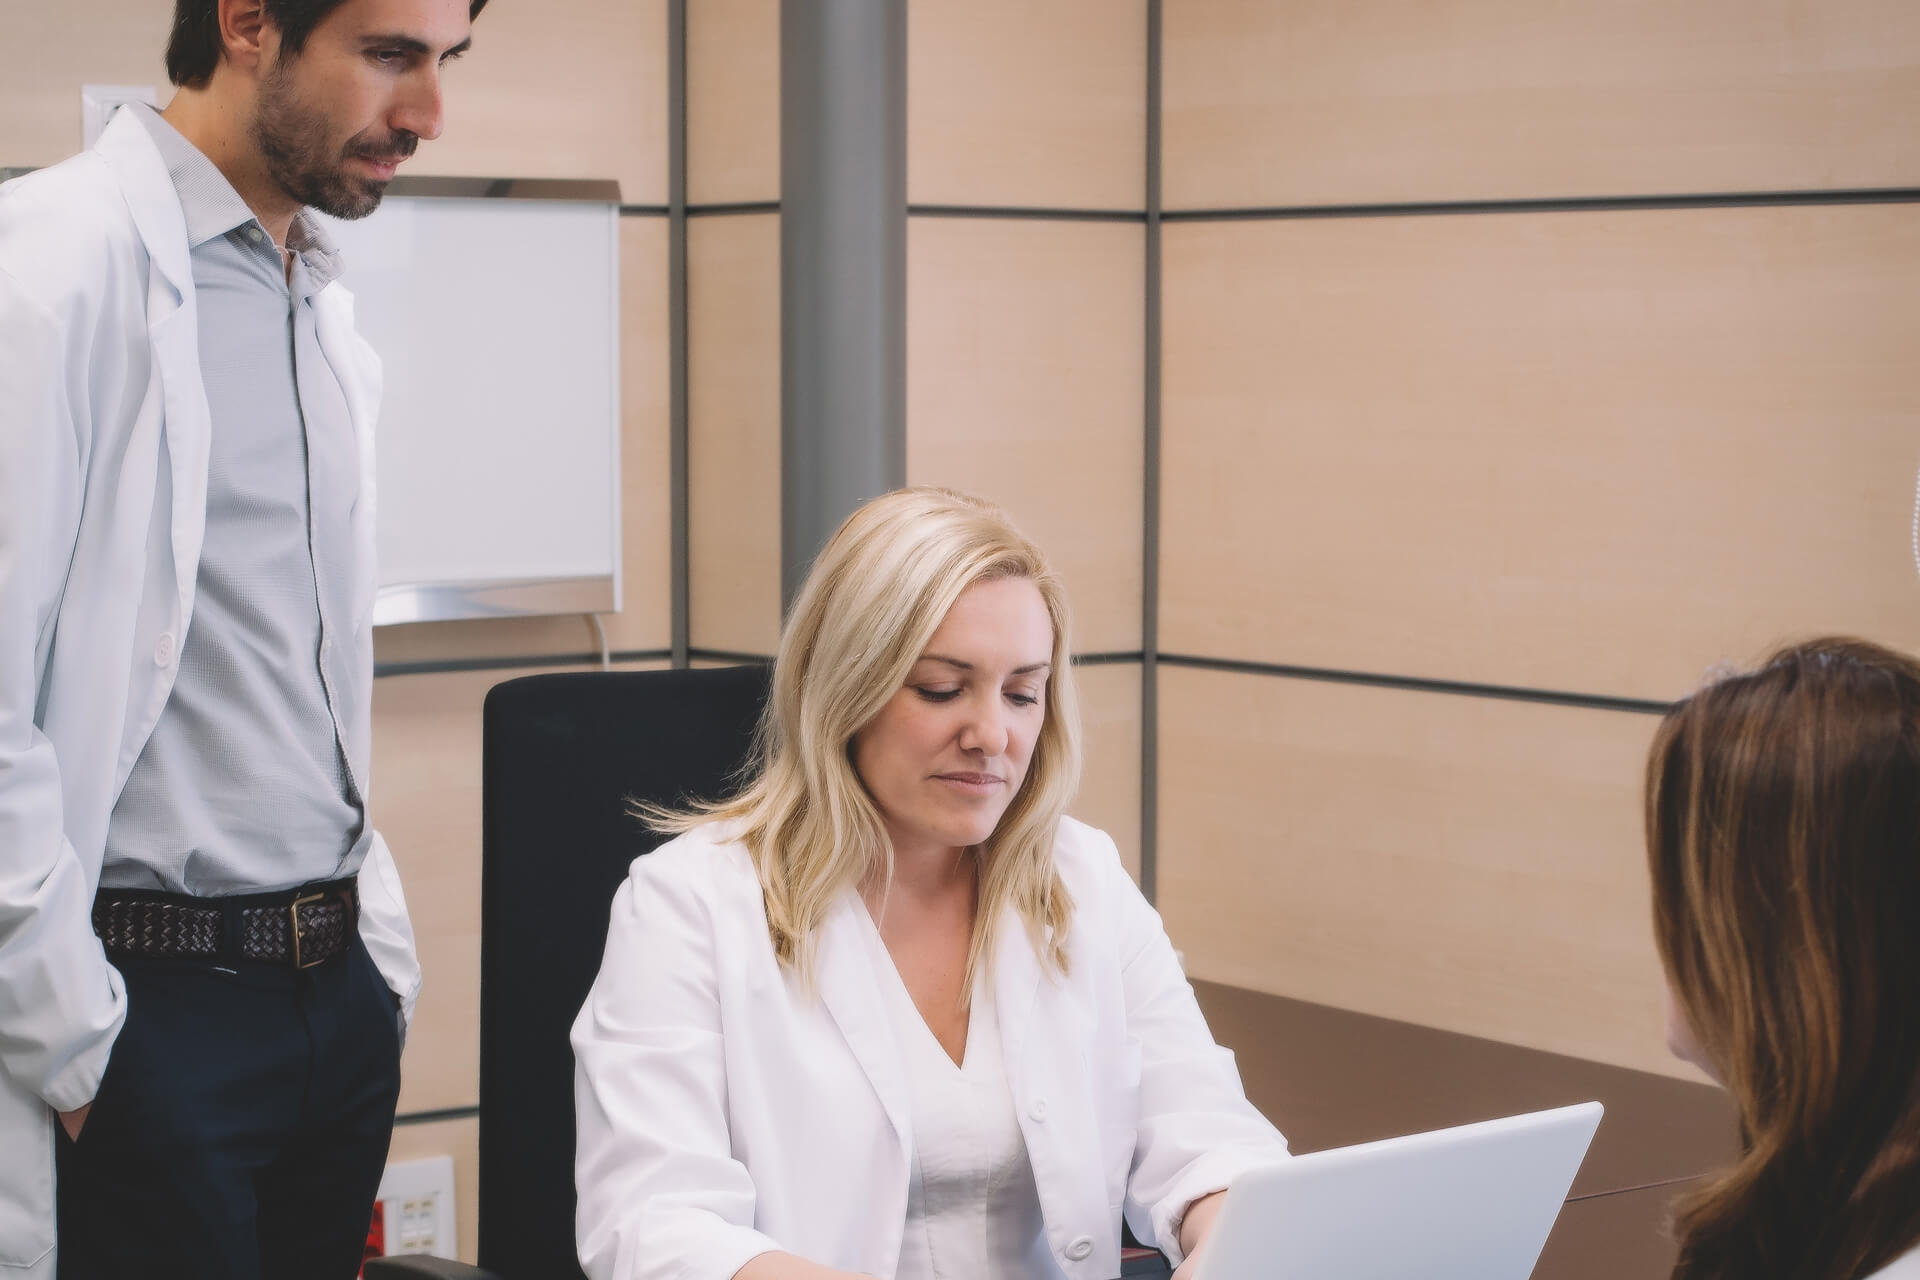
pixel 98 102
pixel 417 1200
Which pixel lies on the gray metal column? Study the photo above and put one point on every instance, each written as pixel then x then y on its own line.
pixel 843 266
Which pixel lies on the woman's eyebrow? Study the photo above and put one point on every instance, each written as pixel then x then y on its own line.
pixel 1027 670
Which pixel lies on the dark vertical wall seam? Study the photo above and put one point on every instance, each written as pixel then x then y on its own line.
pixel 1150 505
pixel 680 552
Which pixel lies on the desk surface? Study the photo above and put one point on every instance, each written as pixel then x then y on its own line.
pixel 1330 1078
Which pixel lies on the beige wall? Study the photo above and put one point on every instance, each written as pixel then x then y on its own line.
pixel 1323 102
pixel 1588 451
pixel 733 432
pixel 733 101
pixel 1585 452
pixel 72 43
pixel 1027 105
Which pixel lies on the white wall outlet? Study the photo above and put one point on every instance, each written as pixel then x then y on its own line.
pixel 416 1202
pixel 98 102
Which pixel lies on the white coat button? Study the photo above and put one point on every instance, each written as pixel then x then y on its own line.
pixel 1037 1110
pixel 163 649
pixel 1080 1248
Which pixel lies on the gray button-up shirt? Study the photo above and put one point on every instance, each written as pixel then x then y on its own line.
pixel 247 783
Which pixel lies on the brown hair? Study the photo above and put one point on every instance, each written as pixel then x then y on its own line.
pixel 1783 835
pixel 194 50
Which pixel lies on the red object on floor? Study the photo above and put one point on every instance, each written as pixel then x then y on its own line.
pixel 376 1235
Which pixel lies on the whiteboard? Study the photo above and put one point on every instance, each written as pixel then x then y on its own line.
pixel 497 452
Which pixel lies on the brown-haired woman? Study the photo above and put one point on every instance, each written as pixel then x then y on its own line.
pixel 1783 831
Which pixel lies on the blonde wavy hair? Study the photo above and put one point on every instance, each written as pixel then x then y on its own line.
pixel 871 603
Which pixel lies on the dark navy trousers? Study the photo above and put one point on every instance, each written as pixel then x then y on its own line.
pixel 241 1128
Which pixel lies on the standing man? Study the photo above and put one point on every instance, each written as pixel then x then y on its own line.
pixel 205 959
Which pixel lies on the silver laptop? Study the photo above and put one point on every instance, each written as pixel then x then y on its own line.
pixel 1472 1203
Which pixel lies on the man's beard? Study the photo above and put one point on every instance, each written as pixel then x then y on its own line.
pixel 303 160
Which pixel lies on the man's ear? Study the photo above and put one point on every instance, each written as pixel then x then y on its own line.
pixel 247 39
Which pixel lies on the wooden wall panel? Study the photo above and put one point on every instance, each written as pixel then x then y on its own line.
pixel 645 617
pixel 643 622
pixel 573 89
pixel 1337 102
pixel 733 101
pixel 1110 785
pixel 1015 103
pixel 461 1140
pixel 1464 863
pixel 426 802
pixel 53 49
pixel 733 450
pixel 1025 386
pixel 1583 451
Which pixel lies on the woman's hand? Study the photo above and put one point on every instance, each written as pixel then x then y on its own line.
pixel 784 1266
pixel 1195 1227
pixel 73 1121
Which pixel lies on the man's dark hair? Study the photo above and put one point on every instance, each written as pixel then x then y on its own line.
pixel 193 51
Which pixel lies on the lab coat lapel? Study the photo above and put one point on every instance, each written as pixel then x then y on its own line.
pixel 175 385
pixel 137 165
pixel 850 989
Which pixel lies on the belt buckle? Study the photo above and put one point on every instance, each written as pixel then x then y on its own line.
pixel 293 919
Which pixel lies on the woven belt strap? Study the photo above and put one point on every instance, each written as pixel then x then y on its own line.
pixel 146 925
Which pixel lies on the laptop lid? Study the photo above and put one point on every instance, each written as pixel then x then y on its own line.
pixel 1473 1203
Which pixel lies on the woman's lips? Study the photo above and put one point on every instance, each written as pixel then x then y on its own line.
pixel 974 782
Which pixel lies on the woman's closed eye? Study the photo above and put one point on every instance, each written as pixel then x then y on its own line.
pixel 1018 698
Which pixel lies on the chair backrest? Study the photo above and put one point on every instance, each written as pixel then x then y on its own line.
pixel 564 757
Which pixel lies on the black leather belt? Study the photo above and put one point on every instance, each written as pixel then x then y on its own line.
pixel 299 928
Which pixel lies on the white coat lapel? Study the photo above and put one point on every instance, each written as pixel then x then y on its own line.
pixel 175 385
pixel 850 989
pixel 137 165
pixel 173 329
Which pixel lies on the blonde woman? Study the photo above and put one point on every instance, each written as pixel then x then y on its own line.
pixel 890 1012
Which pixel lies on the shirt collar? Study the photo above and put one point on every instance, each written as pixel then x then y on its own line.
pixel 213 208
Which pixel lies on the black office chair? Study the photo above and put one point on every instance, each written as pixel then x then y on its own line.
pixel 565 755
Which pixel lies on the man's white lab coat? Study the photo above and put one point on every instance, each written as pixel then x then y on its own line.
pixel 104 436
pixel 724 1112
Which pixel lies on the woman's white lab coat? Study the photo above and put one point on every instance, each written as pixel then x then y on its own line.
pixel 723 1112
pixel 104 435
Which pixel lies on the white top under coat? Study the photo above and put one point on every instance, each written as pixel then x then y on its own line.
pixel 973 1210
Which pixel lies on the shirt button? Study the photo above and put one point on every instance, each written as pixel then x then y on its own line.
pixel 1080 1248
pixel 163 649
pixel 253 234
pixel 1037 1110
